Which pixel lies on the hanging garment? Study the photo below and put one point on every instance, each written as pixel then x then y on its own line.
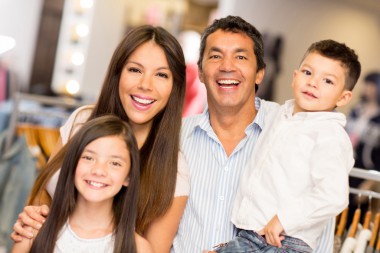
pixel 17 175
pixel 364 235
pixel 371 246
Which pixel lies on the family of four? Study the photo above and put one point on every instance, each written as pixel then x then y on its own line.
pixel 128 175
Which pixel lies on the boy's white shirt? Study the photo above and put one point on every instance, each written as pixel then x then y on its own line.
pixel 299 170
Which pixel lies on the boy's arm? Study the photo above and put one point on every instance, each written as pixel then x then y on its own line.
pixel 273 231
pixel 331 162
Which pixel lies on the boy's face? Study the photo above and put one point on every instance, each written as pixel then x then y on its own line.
pixel 319 84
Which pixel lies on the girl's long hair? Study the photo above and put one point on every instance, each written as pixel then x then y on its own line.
pixel 64 200
pixel 159 154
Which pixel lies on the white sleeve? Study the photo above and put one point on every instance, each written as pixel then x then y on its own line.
pixel 75 120
pixel 183 177
pixel 78 117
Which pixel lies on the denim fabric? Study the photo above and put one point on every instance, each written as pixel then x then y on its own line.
pixel 17 175
pixel 251 242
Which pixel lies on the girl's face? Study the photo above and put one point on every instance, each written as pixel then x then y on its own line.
pixel 102 169
pixel 145 84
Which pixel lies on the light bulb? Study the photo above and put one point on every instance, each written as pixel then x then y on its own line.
pixel 77 58
pixel 72 87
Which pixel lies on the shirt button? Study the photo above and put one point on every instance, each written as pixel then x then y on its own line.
pixel 221 198
pixel 226 168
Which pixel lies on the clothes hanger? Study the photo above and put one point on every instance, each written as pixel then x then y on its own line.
pixel 365 234
pixel 375 232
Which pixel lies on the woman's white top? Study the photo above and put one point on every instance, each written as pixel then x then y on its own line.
pixel 78 118
pixel 68 241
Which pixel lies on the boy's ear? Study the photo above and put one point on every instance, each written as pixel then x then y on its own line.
pixel 126 182
pixel 345 98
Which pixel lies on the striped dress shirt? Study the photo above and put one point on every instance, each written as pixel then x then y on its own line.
pixel 214 179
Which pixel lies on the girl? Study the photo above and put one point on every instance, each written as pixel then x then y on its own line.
pixel 95 203
pixel 144 86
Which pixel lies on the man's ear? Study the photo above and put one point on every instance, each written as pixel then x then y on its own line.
pixel 259 76
pixel 126 182
pixel 200 75
pixel 344 98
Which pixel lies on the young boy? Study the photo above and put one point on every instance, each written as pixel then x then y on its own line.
pixel 297 178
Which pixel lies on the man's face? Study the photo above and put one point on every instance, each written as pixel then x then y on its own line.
pixel 229 70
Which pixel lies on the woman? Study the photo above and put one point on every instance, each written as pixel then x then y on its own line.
pixel 144 86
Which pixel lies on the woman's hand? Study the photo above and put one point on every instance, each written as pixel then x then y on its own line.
pixel 32 216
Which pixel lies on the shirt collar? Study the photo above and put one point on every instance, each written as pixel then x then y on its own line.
pixel 203 120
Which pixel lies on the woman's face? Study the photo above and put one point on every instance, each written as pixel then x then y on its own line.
pixel 145 84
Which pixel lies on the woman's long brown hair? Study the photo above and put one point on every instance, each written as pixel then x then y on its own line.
pixel 159 154
pixel 64 201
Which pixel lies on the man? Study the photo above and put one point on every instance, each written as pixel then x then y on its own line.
pixel 218 142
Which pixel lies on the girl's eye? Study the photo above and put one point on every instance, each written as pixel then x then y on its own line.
pixel 164 75
pixel 117 164
pixel 87 157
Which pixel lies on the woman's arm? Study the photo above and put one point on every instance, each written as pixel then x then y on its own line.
pixel 23 246
pixel 162 231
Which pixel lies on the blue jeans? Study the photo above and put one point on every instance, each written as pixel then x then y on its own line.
pixel 249 241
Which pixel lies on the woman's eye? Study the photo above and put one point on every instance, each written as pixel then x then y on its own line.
pixel 134 70
pixel 164 75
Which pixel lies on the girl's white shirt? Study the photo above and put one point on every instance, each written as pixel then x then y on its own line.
pixel 68 241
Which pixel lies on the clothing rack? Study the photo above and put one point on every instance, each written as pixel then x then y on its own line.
pixel 365 174
pixel 65 102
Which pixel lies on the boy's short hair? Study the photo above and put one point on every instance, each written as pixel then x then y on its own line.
pixel 340 52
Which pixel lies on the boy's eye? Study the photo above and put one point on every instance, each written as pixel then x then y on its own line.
pixel 306 72
pixel 328 81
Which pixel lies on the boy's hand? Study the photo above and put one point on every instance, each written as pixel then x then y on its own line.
pixel 273 232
